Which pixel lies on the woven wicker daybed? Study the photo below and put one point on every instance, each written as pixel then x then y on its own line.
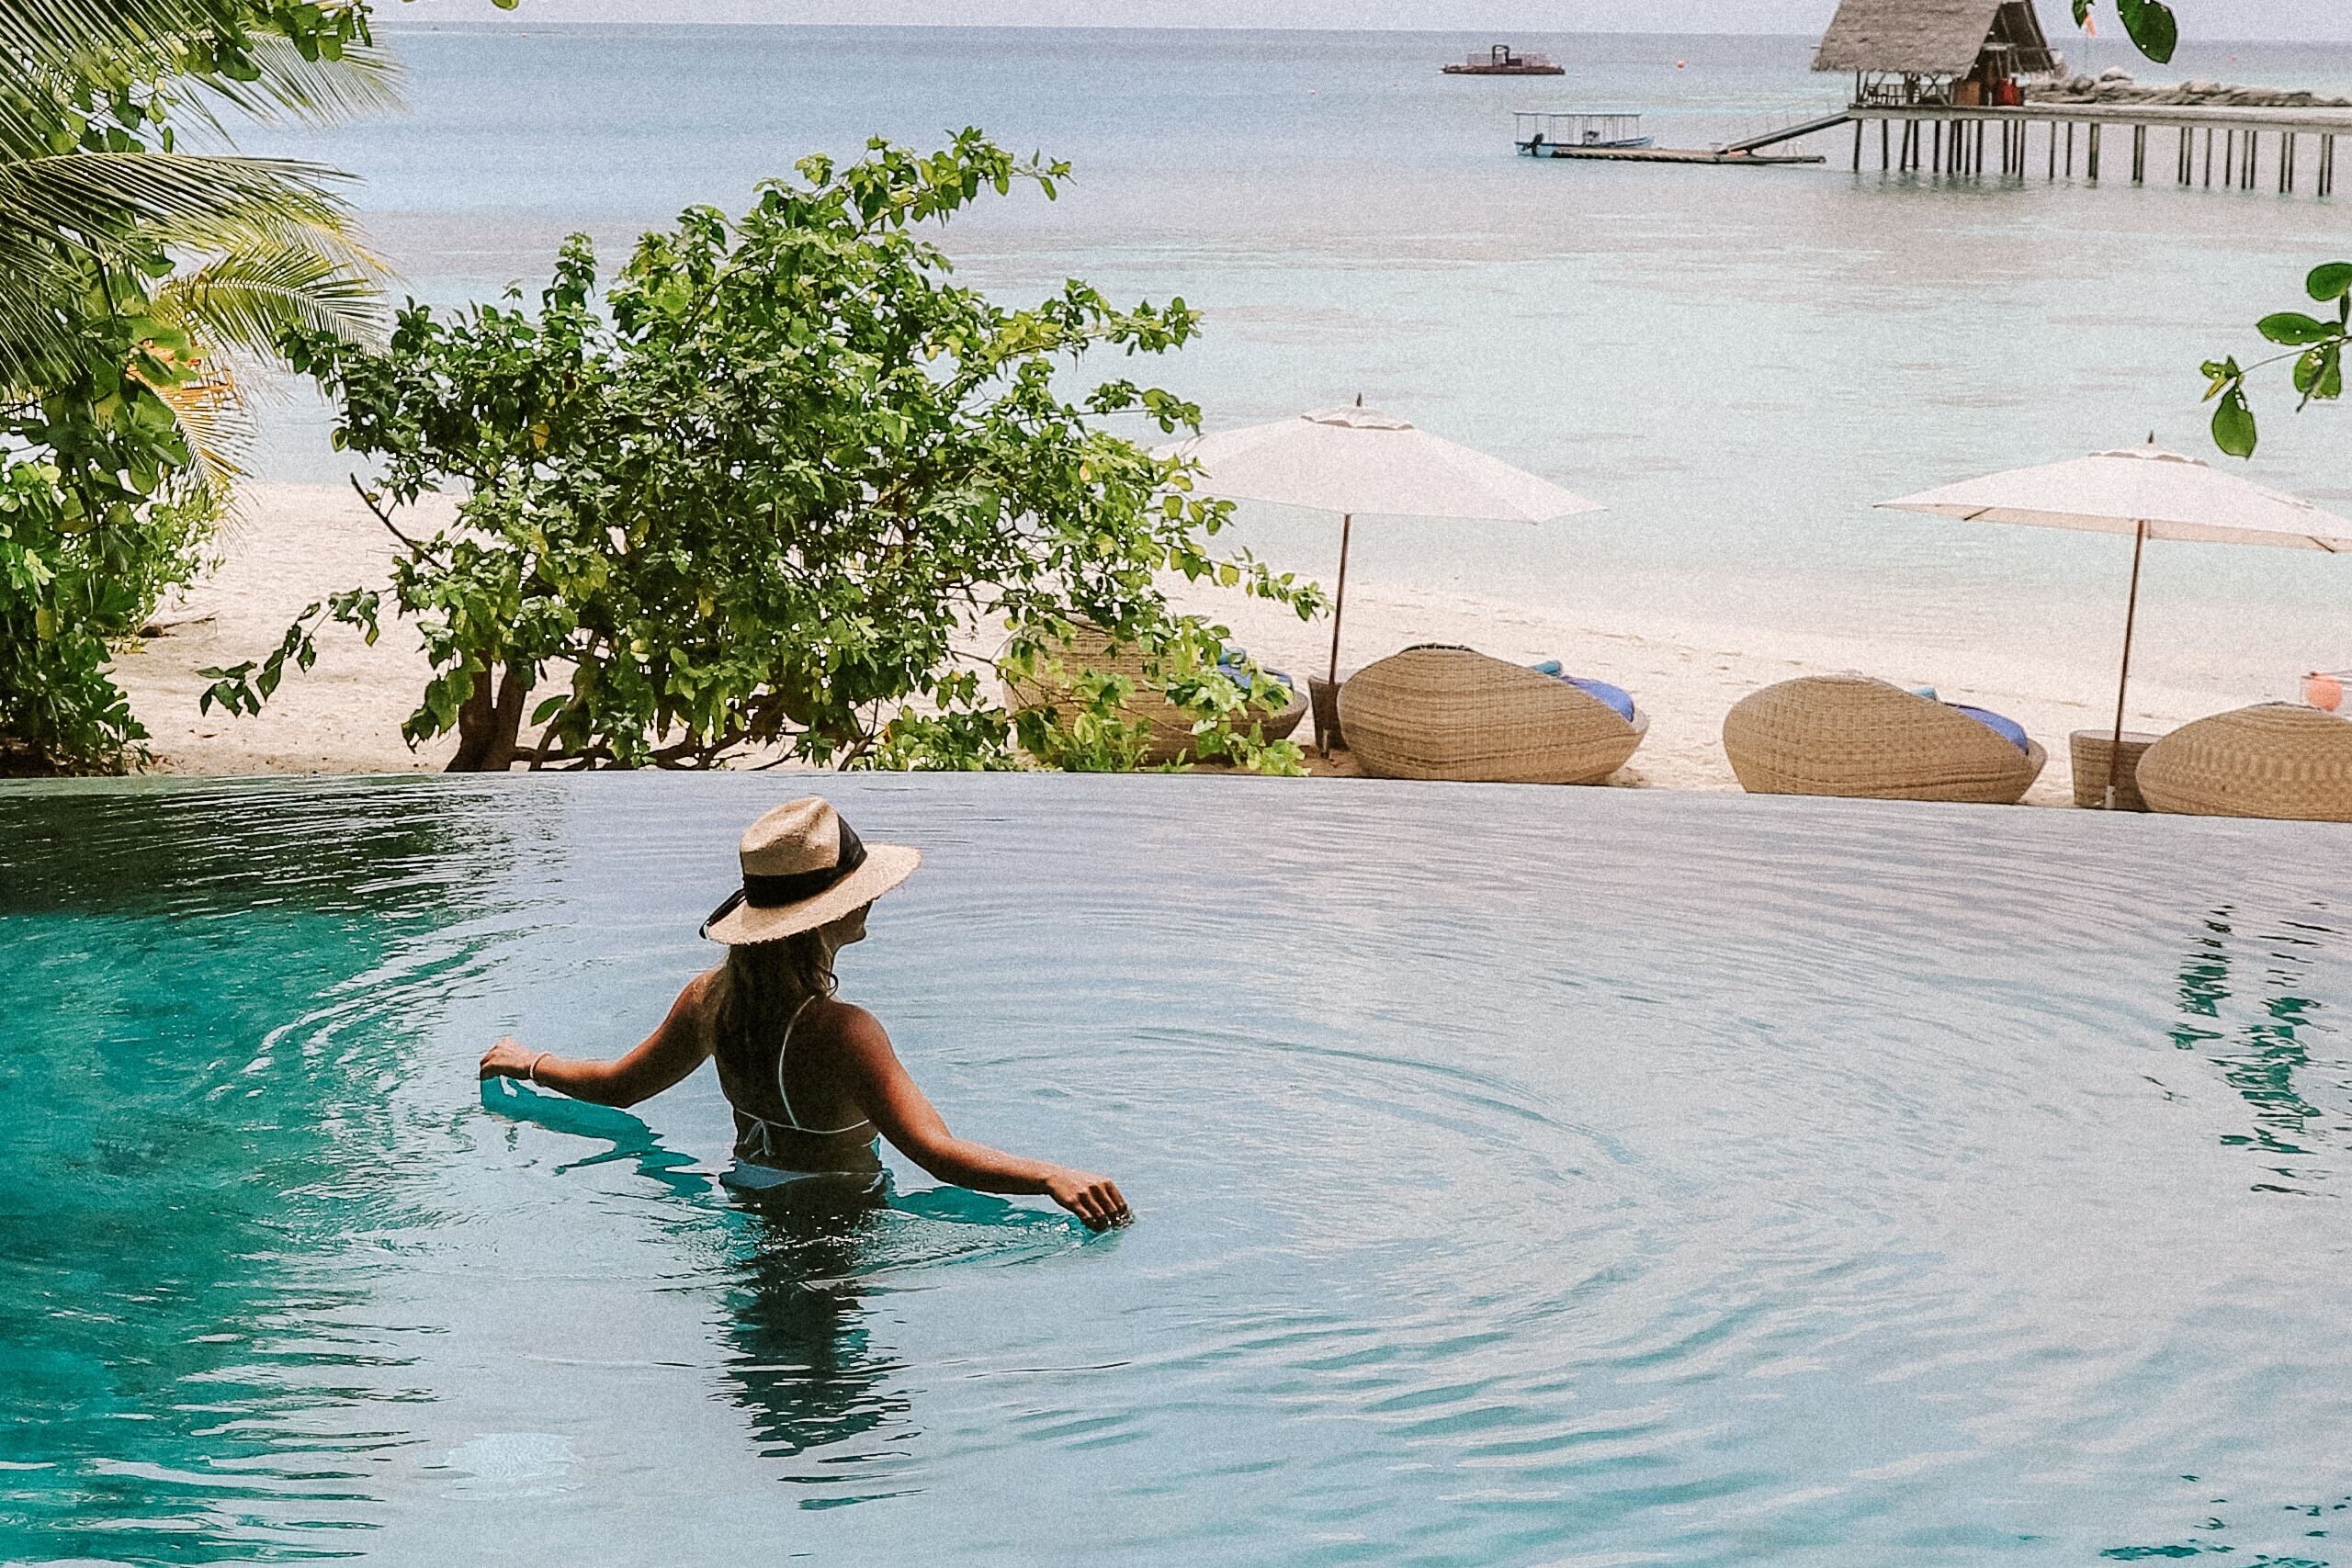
pixel 1849 735
pixel 2272 760
pixel 1088 647
pixel 1447 713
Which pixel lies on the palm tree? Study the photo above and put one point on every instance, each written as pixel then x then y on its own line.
pixel 97 196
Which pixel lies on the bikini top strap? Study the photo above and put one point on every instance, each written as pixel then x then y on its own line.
pixel 792 1117
pixel 783 1049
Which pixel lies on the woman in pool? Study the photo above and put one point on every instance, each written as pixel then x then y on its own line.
pixel 812 1078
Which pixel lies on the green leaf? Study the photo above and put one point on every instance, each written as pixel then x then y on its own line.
pixel 2294 328
pixel 2319 372
pixel 2331 280
pixel 2152 26
pixel 2233 429
pixel 2310 366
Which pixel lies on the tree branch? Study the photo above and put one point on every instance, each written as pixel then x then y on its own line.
pixel 419 551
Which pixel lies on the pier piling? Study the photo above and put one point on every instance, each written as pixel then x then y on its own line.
pixel 1952 140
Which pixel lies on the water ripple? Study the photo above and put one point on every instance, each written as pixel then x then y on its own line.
pixel 1526 1176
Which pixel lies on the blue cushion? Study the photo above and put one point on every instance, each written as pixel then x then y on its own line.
pixel 2008 729
pixel 1615 697
pixel 1231 669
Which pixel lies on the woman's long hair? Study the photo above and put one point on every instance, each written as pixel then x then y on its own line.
pixel 759 989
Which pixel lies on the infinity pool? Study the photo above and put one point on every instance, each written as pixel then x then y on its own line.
pixel 1524 1176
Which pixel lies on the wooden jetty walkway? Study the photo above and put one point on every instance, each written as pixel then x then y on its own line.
pixel 1617 137
pixel 1675 155
pixel 2241 148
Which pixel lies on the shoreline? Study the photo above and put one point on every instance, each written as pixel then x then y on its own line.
pixel 290 543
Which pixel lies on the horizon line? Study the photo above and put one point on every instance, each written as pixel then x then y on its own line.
pixel 514 21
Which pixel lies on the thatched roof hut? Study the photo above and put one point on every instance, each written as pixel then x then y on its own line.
pixel 1936 38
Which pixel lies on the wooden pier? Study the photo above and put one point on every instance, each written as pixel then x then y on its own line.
pixel 2239 148
pixel 1672 155
pixel 1617 137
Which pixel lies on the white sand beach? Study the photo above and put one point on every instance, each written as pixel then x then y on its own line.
pixel 293 543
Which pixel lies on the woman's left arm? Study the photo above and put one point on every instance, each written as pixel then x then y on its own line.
pixel 663 1058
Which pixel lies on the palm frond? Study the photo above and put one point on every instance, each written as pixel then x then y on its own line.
pixel 246 300
pixel 210 410
pixel 315 92
pixel 59 212
pixel 50 47
pixel 38 339
pixel 60 34
pixel 186 198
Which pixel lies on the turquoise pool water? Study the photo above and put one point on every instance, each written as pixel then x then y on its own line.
pixel 1525 1177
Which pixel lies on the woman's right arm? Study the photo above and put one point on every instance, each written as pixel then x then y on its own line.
pixel 674 1049
pixel 904 1114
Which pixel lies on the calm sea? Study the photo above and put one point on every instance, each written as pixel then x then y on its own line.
pixel 1737 362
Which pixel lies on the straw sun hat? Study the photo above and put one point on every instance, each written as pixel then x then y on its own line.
pixel 802 867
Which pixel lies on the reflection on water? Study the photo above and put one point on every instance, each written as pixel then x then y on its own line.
pixel 197 1143
pixel 796 1354
pixel 2262 1046
pixel 623 1137
pixel 1525 1177
pixel 790 1268
pixel 799 1358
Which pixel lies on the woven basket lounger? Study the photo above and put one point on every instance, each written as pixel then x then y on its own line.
pixel 1849 735
pixel 2272 760
pixel 1172 727
pixel 1447 713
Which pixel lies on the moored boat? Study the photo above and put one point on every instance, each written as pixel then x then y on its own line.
pixel 1549 134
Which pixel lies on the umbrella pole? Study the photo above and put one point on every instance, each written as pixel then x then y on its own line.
pixel 1338 595
pixel 1338 603
pixel 2131 614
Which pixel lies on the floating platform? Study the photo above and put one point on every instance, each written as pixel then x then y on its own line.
pixel 1500 61
pixel 1665 154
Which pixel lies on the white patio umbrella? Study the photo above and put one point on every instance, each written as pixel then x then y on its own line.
pixel 2149 494
pixel 1359 462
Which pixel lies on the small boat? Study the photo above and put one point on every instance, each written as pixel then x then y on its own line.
pixel 1558 134
pixel 1501 61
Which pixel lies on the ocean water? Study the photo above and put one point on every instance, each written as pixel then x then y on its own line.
pixel 1737 363
pixel 1523 1177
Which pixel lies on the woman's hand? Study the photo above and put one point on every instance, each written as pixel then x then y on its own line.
pixel 510 1059
pixel 1094 1199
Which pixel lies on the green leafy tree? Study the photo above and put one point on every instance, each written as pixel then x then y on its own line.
pixel 788 485
pixel 135 278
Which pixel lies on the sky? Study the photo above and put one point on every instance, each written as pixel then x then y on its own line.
pixel 2329 20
